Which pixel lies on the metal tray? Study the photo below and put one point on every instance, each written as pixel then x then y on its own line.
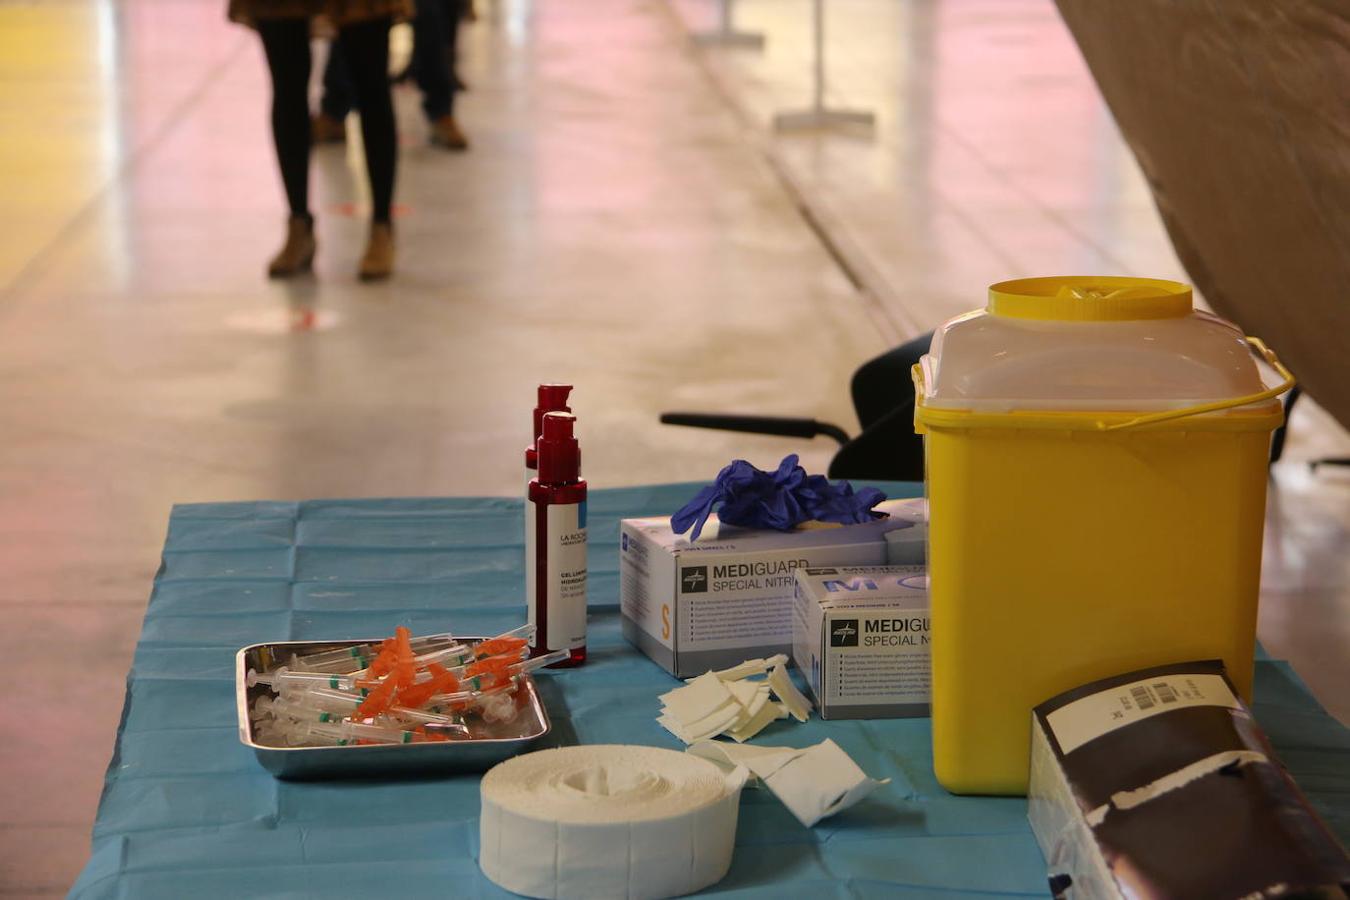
pixel 476 755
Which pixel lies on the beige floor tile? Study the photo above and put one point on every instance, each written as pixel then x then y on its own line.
pixel 39 859
pixel 54 765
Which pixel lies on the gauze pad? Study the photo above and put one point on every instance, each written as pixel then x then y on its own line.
pixel 608 820
pixel 813 783
pixel 729 702
pixel 750 667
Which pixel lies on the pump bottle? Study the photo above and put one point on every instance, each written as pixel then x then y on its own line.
pixel 552 398
pixel 555 544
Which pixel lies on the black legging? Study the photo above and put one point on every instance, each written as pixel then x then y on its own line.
pixel 286 43
pixel 365 45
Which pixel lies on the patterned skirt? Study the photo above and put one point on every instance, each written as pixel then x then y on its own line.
pixel 338 12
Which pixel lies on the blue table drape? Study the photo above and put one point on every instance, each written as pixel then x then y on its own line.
pixel 188 812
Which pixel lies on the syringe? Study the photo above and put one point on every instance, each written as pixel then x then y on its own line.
pixel 344 733
pixel 421 716
pixel 524 667
pixel 351 659
pixel 321 702
pixel 284 679
pixel 458 658
pixel 324 698
pixel 474 687
pixel 438 648
pixel 271 733
pixel 454 655
pixel 512 641
pixel 294 707
pixel 472 673
pixel 358 663
pixel 466 671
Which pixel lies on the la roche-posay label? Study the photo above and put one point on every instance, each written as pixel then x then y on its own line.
pixel 861 636
pixel 562 619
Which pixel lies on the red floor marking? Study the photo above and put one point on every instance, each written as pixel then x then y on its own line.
pixel 305 319
pixel 360 211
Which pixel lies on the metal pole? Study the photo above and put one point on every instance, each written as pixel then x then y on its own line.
pixel 725 35
pixel 818 16
pixel 818 115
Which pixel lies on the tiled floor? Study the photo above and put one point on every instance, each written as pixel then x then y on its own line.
pixel 625 221
pixel 991 156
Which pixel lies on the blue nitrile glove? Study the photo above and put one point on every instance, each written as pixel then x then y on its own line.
pixel 751 498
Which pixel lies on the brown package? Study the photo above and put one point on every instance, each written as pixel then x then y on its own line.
pixel 1159 785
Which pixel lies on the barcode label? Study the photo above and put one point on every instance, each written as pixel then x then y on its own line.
pixel 1090 717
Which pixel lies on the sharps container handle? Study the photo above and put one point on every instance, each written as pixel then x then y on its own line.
pixel 1261 350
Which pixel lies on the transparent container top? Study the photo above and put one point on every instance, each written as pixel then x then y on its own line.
pixel 1087 343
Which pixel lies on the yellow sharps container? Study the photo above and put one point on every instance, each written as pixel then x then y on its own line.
pixel 1096 468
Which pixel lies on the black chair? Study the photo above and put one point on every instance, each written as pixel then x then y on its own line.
pixel 1277 442
pixel 883 397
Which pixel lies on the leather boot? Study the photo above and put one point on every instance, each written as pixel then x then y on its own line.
pixel 445 133
pixel 324 129
pixel 297 255
pixel 378 262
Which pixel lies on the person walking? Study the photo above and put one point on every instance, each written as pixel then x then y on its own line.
pixel 363 36
pixel 433 66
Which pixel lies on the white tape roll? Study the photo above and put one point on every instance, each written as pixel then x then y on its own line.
pixel 608 820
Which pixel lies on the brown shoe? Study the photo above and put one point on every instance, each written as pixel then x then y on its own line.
pixel 378 263
pixel 445 133
pixel 297 255
pixel 324 129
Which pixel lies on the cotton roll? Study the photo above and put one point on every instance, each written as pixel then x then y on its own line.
pixel 608 820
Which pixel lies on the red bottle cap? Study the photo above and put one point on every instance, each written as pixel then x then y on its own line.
pixel 552 398
pixel 559 453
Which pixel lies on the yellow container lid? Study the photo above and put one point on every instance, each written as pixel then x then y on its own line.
pixel 1090 298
